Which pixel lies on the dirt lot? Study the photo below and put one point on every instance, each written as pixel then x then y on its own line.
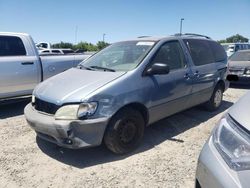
pixel 167 157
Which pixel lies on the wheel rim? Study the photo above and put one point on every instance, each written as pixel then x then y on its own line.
pixel 217 98
pixel 127 132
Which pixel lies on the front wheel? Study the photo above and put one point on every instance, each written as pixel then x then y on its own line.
pixel 216 99
pixel 125 131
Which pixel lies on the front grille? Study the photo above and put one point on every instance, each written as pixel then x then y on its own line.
pixel 44 106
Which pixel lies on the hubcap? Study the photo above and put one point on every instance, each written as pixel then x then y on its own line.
pixel 217 98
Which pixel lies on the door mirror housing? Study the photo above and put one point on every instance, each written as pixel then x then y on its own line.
pixel 158 68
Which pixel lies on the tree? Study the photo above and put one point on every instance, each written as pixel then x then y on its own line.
pixel 222 41
pixel 235 38
pixel 63 45
pixel 101 44
pixel 86 46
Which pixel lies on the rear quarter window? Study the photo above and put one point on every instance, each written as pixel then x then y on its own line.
pixel 11 46
pixel 200 51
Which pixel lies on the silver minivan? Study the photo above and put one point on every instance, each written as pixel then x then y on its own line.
pixel 116 93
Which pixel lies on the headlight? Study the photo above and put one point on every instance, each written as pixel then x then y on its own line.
pixel 86 109
pixel 76 111
pixel 233 143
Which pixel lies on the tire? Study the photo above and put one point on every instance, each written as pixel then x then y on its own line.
pixel 215 101
pixel 125 131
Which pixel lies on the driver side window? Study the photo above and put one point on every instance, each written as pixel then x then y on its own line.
pixel 171 54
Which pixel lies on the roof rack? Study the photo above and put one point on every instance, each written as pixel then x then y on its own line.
pixel 143 36
pixel 192 34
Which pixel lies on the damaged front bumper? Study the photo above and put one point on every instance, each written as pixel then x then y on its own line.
pixel 72 134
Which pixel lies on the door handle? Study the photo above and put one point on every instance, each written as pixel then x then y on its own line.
pixel 27 63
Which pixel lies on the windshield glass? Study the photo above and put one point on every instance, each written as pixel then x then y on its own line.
pixel 240 56
pixel 122 56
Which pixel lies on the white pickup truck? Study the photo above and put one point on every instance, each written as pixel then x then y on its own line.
pixel 21 68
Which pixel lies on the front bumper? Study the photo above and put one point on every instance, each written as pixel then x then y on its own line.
pixel 72 134
pixel 212 170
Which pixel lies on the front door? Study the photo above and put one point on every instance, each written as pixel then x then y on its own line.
pixel 170 92
pixel 18 71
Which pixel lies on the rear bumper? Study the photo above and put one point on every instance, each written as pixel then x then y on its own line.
pixel 241 79
pixel 66 133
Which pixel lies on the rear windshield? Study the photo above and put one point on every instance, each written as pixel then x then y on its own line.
pixel 240 56
pixel 122 56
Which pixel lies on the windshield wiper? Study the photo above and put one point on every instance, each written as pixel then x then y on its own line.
pixel 102 68
pixel 82 66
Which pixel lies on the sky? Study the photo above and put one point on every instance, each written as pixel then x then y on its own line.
pixel 87 20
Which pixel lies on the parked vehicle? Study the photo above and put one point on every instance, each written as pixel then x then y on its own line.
pixel 231 48
pixel 56 51
pixel 239 67
pixel 225 158
pixel 21 68
pixel 114 94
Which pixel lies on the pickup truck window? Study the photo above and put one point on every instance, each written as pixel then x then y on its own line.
pixel 11 46
pixel 68 51
pixel 171 54
pixel 56 51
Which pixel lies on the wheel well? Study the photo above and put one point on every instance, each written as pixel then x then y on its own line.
pixel 139 107
pixel 222 84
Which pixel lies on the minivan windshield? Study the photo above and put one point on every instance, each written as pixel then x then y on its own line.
pixel 240 56
pixel 121 56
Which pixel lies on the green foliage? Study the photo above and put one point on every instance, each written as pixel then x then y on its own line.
pixel 85 46
pixel 222 41
pixel 101 44
pixel 237 38
pixel 234 38
pixel 62 45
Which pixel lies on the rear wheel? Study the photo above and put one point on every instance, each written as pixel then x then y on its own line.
pixel 125 131
pixel 216 99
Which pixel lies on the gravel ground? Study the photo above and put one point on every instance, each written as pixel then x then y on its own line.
pixel 166 158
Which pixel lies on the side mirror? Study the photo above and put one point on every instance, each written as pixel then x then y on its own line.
pixel 158 68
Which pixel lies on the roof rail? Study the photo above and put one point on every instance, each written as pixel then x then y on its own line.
pixel 143 36
pixel 192 34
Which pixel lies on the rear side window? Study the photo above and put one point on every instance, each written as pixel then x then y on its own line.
pixel 56 51
pixel 11 46
pixel 218 51
pixel 200 51
pixel 68 51
pixel 171 54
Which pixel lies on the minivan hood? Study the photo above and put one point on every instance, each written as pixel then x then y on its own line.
pixel 73 85
pixel 240 111
pixel 241 64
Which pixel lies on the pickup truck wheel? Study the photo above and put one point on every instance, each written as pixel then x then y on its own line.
pixel 216 99
pixel 125 131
